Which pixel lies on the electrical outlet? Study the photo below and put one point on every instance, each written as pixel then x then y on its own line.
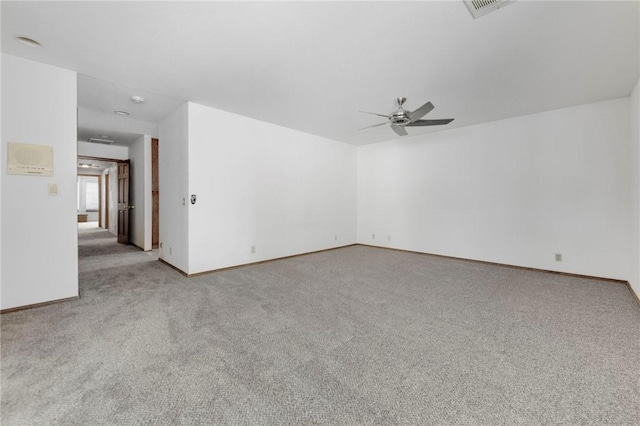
pixel 388 237
pixel 373 236
pixel 170 250
pixel 335 238
pixel 184 201
pixel 253 249
pixel 558 257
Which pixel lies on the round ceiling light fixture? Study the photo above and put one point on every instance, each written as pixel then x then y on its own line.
pixel 121 112
pixel 104 136
pixel 137 99
pixel 27 41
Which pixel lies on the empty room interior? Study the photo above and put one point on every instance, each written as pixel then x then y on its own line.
pixel 320 212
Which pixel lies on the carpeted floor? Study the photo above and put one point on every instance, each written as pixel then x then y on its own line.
pixel 357 335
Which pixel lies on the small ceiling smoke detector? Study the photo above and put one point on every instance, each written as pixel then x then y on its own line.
pixel 137 99
pixel 27 41
pixel 480 8
pixel 104 136
pixel 121 112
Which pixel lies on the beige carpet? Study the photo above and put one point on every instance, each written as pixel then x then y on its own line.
pixel 350 336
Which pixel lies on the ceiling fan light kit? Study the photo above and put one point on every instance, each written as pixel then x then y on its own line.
pixel 401 118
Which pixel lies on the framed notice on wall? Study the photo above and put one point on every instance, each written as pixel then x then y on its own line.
pixel 29 160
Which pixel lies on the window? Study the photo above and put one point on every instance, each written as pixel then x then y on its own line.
pixel 91 191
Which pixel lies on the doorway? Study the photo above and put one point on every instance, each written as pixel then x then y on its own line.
pixel 89 202
pixel 107 170
pixel 139 174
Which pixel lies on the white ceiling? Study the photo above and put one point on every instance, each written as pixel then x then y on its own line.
pixel 97 101
pixel 311 66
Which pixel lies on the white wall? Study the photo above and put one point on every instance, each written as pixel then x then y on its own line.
pixel 114 152
pixel 2 161
pixel 173 169
pixel 39 231
pixel 515 191
pixel 634 275
pixel 140 193
pixel 283 191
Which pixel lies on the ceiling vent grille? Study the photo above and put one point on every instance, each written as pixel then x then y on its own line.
pixel 103 141
pixel 479 8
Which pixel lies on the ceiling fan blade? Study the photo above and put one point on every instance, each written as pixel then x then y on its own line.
pixel 375 125
pixel 399 130
pixel 421 112
pixel 373 113
pixel 430 122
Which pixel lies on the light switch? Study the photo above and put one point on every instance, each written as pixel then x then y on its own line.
pixel 53 189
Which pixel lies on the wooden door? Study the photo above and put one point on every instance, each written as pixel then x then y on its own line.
pixel 107 200
pixel 155 195
pixel 100 201
pixel 123 201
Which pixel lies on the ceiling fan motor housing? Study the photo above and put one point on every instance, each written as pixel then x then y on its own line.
pixel 400 118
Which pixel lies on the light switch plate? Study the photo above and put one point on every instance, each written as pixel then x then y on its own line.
pixel 53 189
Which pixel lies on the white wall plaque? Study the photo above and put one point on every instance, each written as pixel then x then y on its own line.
pixel 31 160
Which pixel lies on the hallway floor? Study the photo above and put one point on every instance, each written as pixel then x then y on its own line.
pixel 99 249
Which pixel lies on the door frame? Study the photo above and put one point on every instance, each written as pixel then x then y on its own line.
pixel 106 187
pixel 99 195
pixel 107 194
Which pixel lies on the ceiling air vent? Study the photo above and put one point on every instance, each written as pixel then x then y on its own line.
pixel 479 8
pixel 104 141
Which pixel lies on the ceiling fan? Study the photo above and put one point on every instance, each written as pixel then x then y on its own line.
pixel 401 118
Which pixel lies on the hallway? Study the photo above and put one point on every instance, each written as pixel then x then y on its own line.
pixel 99 250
